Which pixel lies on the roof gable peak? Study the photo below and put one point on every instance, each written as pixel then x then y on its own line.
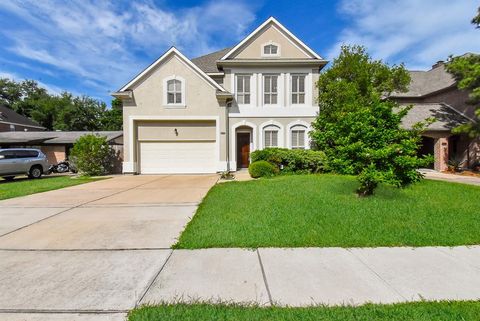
pixel 274 22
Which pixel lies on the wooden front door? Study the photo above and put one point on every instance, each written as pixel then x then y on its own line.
pixel 243 150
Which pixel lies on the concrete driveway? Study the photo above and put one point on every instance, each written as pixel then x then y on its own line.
pixel 91 251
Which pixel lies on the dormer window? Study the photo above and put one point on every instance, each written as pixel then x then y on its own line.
pixel 270 49
pixel 174 92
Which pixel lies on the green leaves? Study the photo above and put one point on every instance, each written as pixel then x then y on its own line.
pixel 59 112
pixel 92 155
pixel 358 127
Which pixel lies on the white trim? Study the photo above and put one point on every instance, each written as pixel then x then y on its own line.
pixel 262 52
pixel 282 28
pixel 272 111
pixel 234 88
pixel 308 129
pixel 183 104
pixel 176 52
pixel 281 133
pixel 133 143
pixel 233 141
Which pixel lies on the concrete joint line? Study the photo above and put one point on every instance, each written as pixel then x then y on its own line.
pixel 74 207
pixel 264 277
pixel 153 279
pixel 88 250
pixel 378 275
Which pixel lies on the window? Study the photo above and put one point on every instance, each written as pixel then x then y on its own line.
pixel 174 92
pixel 270 50
pixel 26 154
pixel 7 154
pixel 270 89
pixel 270 135
pixel 243 89
pixel 298 89
pixel 298 137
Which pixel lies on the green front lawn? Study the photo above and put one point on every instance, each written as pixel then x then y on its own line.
pixel 24 186
pixel 420 311
pixel 323 210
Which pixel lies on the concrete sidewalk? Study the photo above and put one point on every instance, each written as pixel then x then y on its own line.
pixel 469 180
pixel 104 285
pixel 308 276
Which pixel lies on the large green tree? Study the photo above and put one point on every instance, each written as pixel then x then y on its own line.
pixel 359 127
pixel 466 70
pixel 59 112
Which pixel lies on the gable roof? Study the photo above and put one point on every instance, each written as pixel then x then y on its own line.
pixel 168 53
pixel 446 117
pixel 427 82
pixel 302 46
pixel 9 116
pixel 208 62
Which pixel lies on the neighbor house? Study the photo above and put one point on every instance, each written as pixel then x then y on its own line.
pixel 11 121
pixel 434 93
pixel 208 114
pixel 56 145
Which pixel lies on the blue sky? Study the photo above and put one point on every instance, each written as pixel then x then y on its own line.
pixel 94 47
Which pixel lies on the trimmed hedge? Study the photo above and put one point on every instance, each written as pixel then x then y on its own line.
pixel 299 161
pixel 262 169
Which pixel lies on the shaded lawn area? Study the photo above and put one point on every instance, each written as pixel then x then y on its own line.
pixel 324 211
pixel 419 311
pixel 22 187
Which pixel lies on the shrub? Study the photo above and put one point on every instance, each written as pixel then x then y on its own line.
pixel 293 160
pixel 262 169
pixel 92 155
pixel 369 179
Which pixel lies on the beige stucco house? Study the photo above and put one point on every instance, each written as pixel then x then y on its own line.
pixel 208 114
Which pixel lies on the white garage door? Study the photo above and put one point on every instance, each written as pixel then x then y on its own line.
pixel 177 157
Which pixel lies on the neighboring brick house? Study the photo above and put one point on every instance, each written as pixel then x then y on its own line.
pixel 57 144
pixel 11 121
pixel 434 93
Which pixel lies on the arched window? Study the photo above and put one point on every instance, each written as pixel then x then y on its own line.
pixel 298 136
pixel 270 136
pixel 174 91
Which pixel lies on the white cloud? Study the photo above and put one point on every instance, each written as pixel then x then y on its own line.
pixel 105 43
pixel 415 32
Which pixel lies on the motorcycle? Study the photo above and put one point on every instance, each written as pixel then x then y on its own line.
pixel 62 167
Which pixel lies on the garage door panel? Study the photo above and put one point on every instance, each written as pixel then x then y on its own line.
pixel 177 157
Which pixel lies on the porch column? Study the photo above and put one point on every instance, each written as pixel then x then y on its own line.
pixel 441 154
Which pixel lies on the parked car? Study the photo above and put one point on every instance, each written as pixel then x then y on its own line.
pixel 20 161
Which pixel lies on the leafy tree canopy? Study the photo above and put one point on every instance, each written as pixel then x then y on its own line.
pixel 59 112
pixel 358 127
pixel 476 19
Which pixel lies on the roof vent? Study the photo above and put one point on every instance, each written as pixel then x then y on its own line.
pixel 438 64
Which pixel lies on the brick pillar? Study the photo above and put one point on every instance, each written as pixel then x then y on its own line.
pixel 441 154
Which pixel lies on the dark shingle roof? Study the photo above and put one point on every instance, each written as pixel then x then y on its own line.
pixel 446 117
pixel 52 137
pixel 426 82
pixel 7 115
pixel 208 63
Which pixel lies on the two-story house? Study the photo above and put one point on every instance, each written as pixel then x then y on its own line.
pixel 208 114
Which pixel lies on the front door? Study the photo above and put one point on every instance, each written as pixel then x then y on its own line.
pixel 243 150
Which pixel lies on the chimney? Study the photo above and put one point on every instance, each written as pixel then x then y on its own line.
pixel 438 64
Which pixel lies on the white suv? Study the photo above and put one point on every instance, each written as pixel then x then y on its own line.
pixel 21 161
